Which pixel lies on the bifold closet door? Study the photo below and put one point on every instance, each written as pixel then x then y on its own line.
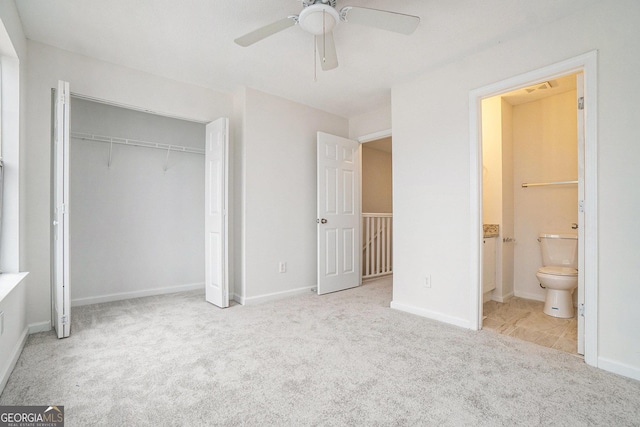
pixel 61 304
pixel 216 213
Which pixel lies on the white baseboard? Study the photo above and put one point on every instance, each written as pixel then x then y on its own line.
pixel 136 294
pixel 15 354
pixel 503 298
pixel 271 297
pixel 440 317
pixel 34 328
pixel 527 295
pixel 619 368
pixel 237 298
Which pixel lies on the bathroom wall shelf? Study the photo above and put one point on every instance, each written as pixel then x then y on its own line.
pixel 541 184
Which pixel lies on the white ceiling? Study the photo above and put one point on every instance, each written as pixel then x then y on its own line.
pixel 192 41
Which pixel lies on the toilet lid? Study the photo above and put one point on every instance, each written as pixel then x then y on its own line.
pixel 558 271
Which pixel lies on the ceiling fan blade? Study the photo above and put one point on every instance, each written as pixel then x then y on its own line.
pixel 266 31
pixel 327 51
pixel 390 21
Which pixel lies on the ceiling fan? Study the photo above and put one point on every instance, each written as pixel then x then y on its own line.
pixel 319 17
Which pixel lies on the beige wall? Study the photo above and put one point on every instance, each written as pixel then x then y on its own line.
pixel 377 194
pixel 492 160
pixel 545 150
pixel 497 186
pixel 508 216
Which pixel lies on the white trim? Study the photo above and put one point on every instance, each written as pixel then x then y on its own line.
pixel 374 136
pixel 34 328
pixel 10 231
pixel 15 354
pixel 136 294
pixel 273 296
pixel 9 281
pixel 135 108
pixel 434 315
pixel 619 368
pixel 586 63
pixel 503 298
pixel 529 295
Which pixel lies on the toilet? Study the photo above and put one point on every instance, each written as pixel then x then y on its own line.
pixel 559 273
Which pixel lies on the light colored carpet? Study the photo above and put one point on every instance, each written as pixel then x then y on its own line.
pixel 340 359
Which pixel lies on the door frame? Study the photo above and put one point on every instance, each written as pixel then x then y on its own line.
pixel 370 137
pixel 586 64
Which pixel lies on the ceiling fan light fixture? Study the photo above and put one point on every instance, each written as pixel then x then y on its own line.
pixel 318 19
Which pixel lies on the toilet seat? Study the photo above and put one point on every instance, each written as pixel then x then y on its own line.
pixel 556 270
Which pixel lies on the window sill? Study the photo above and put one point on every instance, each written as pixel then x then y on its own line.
pixel 8 281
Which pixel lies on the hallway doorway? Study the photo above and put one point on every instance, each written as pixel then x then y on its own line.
pixel 377 208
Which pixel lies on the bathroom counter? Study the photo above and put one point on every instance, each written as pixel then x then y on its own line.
pixel 490 230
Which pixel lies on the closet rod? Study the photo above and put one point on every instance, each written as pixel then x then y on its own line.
pixel 134 142
pixel 540 184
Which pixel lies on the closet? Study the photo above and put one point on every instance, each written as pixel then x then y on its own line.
pixel 136 203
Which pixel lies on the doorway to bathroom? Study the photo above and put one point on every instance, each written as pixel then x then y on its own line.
pixel 537 128
pixel 530 186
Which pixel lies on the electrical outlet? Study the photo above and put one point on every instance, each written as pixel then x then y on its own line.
pixel 427 281
pixel 282 267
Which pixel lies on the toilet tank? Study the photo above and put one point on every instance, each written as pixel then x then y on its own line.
pixel 559 249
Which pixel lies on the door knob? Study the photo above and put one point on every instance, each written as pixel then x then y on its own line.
pixel 322 221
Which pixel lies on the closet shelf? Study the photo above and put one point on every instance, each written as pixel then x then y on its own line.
pixel 134 142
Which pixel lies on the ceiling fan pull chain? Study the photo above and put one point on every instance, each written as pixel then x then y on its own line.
pixel 324 37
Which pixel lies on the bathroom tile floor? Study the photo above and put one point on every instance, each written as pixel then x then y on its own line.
pixel 522 318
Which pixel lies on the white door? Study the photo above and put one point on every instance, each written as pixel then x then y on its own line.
pixel 61 304
pixel 338 213
pixel 216 220
pixel 581 224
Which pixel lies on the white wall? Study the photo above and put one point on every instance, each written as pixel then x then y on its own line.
pixel 237 166
pixel 98 79
pixel 370 122
pixel 13 308
pixel 377 184
pixel 136 229
pixel 13 53
pixel 545 150
pixel 431 169
pixel 279 193
pixel 13 50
